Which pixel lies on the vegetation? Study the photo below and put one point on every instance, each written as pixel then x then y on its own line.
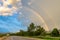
pixel 32 31
pixel 55 32
pixel 37 32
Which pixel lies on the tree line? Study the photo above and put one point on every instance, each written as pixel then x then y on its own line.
pixel 33 30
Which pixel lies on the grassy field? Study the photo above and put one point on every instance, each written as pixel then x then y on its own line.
pixel 53 39
pixel 48 38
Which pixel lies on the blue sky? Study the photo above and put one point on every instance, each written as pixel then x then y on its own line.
pixel 11 23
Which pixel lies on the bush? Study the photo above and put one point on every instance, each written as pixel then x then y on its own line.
pixel 55 32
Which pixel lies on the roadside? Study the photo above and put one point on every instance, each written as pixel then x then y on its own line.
pixel 18 38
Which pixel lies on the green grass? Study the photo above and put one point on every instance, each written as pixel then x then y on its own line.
pixel 52 39
pixel 48 38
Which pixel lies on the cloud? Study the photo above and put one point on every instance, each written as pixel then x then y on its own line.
pixel 9 7
pixel 6 11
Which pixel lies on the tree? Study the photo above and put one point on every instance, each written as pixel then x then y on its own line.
pixel 43 32
pixel 21 33
pixel 40 31
pixel 31 29
pixel 55 32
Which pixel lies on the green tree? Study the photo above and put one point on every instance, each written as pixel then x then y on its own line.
pixel 40 31
pixel 21 33
pixel 55 32
pixel 43 32
pixel 31 29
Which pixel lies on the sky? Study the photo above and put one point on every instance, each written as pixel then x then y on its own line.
pixel 18 14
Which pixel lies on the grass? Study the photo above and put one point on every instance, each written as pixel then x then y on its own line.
pixel 48 38
pixel 52 39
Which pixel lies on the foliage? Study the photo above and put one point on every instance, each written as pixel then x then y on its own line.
pixel 31 27
pixel 55 32
pixel 36 31
pixel 40 31
pixel 32 31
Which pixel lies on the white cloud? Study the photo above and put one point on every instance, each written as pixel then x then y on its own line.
pixel 5 10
